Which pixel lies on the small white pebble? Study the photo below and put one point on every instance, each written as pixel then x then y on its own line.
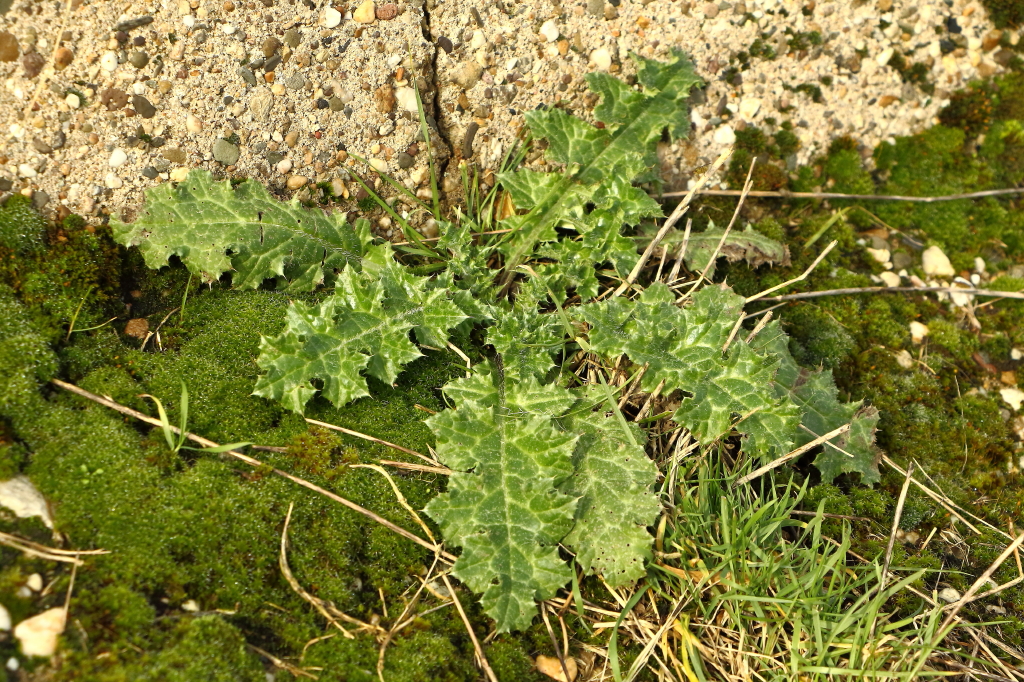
pixel 890 279
pixel 228 29
pixel 549 30
pixel 935 263
pixel 904 359
pixel 1016 354
pixel 379 165
pixel 725 135
pixel 178 174
pixel 26 171
pixel 949 595
pixel 918 331
pixel 73 100
pixel 1013 397
pixel 112 181
pixel 479 40
pixel 189 21
pixel 601 57
pixel 332 17
pixel 190 606
pixel 880 255
pixel 284 165
pixel 34 582
pixel 13 664
pixel 193 124
pixel 108 62
pixel 117 158
pixel 979 265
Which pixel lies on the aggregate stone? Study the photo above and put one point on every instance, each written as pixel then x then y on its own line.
pixel 129 24
pixel 139 59
pixel 143 107
pixel 8 47
pixel 225 152
pixel 248 76
pixel 292 38
pixel 272 63
pixel 295 81
pixel 32 64
pixel 150 172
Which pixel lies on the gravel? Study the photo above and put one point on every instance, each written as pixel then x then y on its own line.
pixel 491 66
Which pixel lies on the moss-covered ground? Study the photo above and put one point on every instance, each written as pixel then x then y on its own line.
pixel 192 584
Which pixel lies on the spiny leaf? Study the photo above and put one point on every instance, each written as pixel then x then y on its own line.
pixel 596 159
pixel 363 326
pixel 749 245
pixel 215 228
pixel 612 477
pixel 684 348
pixel 526 340
pixel 502 506
pixel 816 396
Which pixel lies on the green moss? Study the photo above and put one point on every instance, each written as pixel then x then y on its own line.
pixel 952 338
pixel 22 230
pixel 1005 13
pixel 818 339
pixel 969 110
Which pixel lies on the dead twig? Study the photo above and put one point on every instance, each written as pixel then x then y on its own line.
pixel 782 194
pixel 444 471
pixel 670 222
pixel 805 275
pixel 317 603
pixel 49 553
pixel 792 455
pixel 283 665
pixel 372 439
pixel 725 234
pixel 891 290
pixel 469 628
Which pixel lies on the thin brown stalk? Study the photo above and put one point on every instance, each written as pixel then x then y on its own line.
pixel 49 553
pixel 982 579
pixel 761 324
pixel 317 603
pixel 792 455
pixel 283 665
pixel 650 400
pixel 890 290
pixel 682 252
pixel 469 628
pixel 554 642
pixel 255 463
pixel 805 275
pixel 942 500
pixel 408 466
pixel 782 194
pixel 670 222
pixel 892 538
pixel 725 234
pixel 372 439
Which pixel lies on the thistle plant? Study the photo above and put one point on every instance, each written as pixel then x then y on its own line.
pixel 544 461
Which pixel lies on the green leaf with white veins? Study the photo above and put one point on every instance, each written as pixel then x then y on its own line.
pixel 502 507
pixel 816 397
pixel 622 150
pixel 684 347
pixel 215 228
pixel 363 327
pixel 613 479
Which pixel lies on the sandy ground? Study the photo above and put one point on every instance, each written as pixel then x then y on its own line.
pixel 102 99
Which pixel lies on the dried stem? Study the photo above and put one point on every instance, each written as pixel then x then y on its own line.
pixel 782 194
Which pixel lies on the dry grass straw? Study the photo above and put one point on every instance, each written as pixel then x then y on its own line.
pixel 67 556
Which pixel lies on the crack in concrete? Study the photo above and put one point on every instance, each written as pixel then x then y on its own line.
pixel 441 160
